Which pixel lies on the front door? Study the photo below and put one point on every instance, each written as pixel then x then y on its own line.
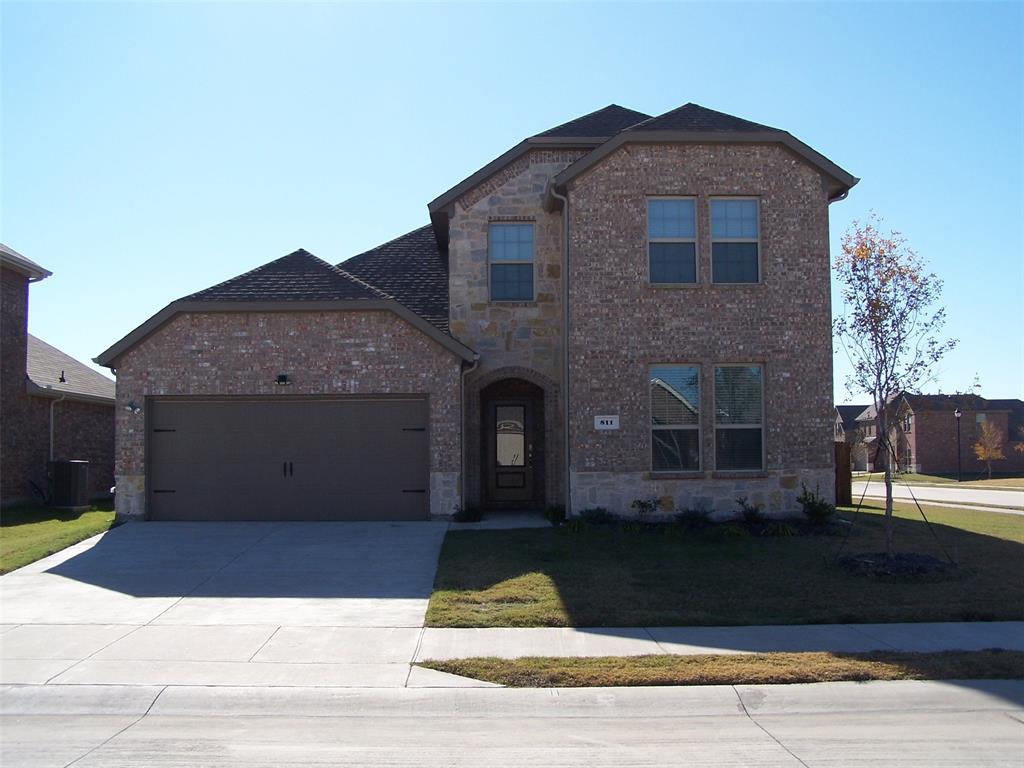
pixel 510 453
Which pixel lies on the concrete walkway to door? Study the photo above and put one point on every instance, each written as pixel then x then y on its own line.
pixel 253 604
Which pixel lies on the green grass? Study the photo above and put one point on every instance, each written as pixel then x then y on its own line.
pixel 30 533
pixel 970 480
pixel 737 669
pixel 606 577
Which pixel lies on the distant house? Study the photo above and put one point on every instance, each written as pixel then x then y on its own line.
pixel 925 434
pixel 848 431
pixel 51 405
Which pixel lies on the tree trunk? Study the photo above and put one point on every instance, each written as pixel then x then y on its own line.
pixel 989 465
pixel 886 453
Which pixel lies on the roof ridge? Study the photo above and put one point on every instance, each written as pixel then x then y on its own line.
pixel 254 270
pixel 345 274
pixel 387 243
pixel 695 106
pixel 581 118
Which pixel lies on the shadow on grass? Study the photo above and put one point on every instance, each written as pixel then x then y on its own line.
pixel 28 514
pixel 604 577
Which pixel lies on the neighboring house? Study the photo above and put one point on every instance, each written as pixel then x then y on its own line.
pixel 925 434
pixel 848 431
pixel 51 405
pixel 621 307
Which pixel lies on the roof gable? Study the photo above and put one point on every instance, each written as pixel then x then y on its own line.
pixel 46 365
pixel 694 117
pixel 603 123
pixel 412 269
pixel 299 276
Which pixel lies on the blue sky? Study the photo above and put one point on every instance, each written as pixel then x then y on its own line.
pixel 152 150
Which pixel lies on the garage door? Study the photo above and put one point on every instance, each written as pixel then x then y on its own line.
pixel 295 459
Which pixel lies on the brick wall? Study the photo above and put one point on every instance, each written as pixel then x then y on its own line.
pixel 234 353
pixel 17 447
pixel 620 325
pixel 933 442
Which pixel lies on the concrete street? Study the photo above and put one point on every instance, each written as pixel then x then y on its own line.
pixel 839 725
pixel 998 500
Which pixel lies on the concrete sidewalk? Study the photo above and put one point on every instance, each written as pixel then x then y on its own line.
pixel 440 644
pixel 987 498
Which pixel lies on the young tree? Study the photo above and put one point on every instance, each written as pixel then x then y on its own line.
pixel 989 446
pixel 888 328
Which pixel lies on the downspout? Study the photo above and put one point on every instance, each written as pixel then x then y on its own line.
pixel 52 404
pixel 462 426
pixel 567 477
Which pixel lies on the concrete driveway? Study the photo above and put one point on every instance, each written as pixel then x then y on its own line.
pixel 262 604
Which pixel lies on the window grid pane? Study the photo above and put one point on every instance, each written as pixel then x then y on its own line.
pixel 511 242
pixel 738 394
pixel 734 262
pixel 738 448
pixel 512 282
pixel 732 219
pixel 671 219
pixel 675 403
pixel 675 450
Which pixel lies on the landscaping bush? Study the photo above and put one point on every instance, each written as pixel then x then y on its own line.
pixel 468 514
pixel 751 513
pixel 597 516
pixel 694 519
pixel 815 508
pixel 645 508
pixel 555 514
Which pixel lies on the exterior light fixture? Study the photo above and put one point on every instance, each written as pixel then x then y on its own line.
pixel 133 408
pixel 282 380
pixel 62 380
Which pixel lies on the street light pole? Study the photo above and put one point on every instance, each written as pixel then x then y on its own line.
pixel 958 414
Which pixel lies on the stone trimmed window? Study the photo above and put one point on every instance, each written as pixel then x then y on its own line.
pixel 672 239
pixel 735 240
pixel 510 252
pixel 739 417
pixel 675 418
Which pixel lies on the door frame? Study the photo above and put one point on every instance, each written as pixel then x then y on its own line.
pixel 534 433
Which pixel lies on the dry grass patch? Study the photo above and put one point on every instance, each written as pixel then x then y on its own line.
pixel 737 669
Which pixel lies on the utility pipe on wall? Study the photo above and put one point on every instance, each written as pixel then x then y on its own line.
pixel 462 430
pixel 52 404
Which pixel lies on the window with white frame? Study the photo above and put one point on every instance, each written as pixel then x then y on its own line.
pixel 672 240
pixel 675 418
pixel 510 249
pixel 739 419
pixel 735 240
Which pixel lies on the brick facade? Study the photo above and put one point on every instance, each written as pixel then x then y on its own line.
pixel 620 325
pixel 331 352
pixel 932 443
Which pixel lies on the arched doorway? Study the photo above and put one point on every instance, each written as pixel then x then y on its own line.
pixel 512 443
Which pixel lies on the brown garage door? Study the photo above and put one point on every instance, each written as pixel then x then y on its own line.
pixel 294 459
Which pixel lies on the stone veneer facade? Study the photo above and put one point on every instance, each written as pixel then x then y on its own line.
pixel 324 352
pixel 515 339
pixel 621 324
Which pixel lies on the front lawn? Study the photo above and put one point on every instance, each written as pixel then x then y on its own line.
pixel 737 669
pixel 30 533
pixel 602 576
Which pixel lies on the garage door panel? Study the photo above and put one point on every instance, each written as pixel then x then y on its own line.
pixel 344 459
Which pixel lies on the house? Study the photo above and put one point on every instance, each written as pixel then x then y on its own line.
pixel 620 307
pixel 51 405
pixel 925 434
pixel 848 431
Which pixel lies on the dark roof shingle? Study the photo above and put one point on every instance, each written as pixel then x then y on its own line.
pixel 299 276
pixel 46 364
pixel 694 117
pixel 412 269
pixel 604 123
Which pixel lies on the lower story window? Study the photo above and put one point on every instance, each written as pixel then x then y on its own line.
pixel 675 418
pixel 739 422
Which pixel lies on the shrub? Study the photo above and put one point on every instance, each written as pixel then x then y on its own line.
pixel 779 528
pixel 555 514
pixel 751 512
pixel 815 508
pixel 468 514
pixel 645 507
pixel 694 519
pixel 597 516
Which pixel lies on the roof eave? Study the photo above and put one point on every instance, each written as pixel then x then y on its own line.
pixel 841 181
pixel 36 390
pixel 108 358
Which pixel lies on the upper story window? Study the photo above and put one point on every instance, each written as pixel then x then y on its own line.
pixel 739 423
pixel 511 262
pixel 735 240
pixel 675 418
pixel 672 240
